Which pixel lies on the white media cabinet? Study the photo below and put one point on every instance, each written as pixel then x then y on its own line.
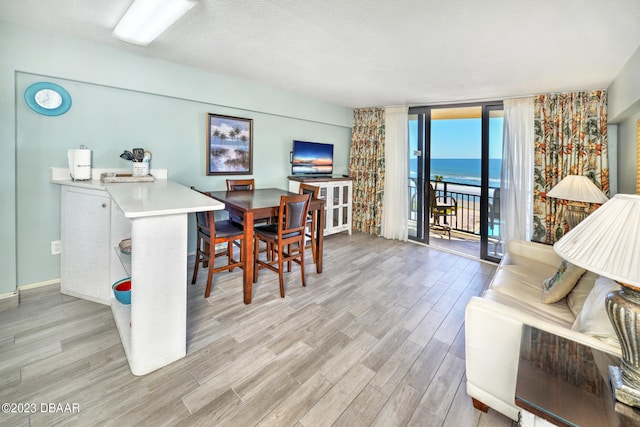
pixel 95 217
pixel 337 193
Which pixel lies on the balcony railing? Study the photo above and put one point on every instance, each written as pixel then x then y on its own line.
pixel 467 218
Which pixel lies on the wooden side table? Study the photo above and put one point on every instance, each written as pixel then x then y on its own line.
pixel 566 384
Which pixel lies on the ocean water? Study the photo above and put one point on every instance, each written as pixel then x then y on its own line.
pixel 460 171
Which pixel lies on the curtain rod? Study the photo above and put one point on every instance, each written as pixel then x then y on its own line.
pixel 480 100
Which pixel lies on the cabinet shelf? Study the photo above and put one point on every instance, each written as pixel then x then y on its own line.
pixel 125 260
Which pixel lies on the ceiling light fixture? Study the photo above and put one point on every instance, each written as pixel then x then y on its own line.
pixel 147 19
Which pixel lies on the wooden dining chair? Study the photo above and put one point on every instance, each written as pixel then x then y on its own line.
pixel 209 234
pixel 241 185
pixel 310 232
pixel 284 240
pixel 246 185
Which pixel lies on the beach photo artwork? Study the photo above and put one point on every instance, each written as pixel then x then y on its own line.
pixel 229 145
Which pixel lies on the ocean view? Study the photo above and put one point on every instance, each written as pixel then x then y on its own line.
pixel 460 171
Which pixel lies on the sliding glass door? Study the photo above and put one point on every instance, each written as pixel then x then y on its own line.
pixel 416 175
pixel 454 171
pixel 492 242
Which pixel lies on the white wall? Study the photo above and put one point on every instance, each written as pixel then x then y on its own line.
pixel 624 110
pixel 627 147
pixel 624 91
pixel 121 101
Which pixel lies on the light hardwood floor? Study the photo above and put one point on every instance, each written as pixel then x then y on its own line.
pixel 377 339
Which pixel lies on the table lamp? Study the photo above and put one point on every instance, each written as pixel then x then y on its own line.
pixel 607 243
pixel 579 191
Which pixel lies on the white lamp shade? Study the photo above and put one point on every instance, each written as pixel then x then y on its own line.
pixel 578 188
pixel 607 242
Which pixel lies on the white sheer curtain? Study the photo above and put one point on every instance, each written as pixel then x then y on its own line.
pixel 396 191
pixel 516 207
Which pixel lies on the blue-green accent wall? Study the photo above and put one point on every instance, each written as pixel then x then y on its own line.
pixel 120 101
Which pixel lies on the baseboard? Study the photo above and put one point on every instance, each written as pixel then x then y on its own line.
pixel 28 292
pixel 39 289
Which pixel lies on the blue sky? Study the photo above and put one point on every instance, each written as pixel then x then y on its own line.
pixel 460 138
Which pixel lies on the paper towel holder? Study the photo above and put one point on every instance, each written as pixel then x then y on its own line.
pixel 79 163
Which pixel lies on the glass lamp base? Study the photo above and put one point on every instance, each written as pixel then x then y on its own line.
pixel 574 214
pixel 623 308
pixel 622 392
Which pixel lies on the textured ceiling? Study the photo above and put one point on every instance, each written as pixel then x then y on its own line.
pixel 365 53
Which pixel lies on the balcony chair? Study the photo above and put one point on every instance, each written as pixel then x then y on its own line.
pixel 209 234
pixel 442 207
pixel 284 240
pixel 494 220
pixel 310 232
pixel 494 210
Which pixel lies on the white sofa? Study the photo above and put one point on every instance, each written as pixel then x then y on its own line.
pixel 493 323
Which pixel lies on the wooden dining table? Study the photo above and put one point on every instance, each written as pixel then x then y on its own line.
pixel 258 204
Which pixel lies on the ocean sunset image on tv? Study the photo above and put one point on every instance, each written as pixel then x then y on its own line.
pixel 312 158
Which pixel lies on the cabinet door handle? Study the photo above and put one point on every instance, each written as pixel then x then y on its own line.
pixel 104 205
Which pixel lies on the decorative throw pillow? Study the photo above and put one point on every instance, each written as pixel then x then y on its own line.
pixel 579 294
pixel 593 319
pixel 560 284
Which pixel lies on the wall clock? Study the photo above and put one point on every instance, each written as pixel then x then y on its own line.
pixel 47 98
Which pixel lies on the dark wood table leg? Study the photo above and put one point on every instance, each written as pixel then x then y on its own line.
pixel 247 255
pixel 319 239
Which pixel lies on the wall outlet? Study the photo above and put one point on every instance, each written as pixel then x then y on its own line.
pixel 56 247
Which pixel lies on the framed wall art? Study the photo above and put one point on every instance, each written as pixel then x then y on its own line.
pixel 229 145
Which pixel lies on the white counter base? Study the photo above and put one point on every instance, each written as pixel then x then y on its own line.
pixel 153 328
pixel 155 325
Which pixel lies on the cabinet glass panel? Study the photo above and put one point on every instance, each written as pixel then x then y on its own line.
pixel 336 195
pixel 323 193
pixel 345 215
pixel 345 194
pixel 336 217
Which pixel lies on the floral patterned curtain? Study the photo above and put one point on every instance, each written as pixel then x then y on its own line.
pixel 570 139
pixel 366 168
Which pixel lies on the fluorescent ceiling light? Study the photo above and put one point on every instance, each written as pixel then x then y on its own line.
pixel 147 19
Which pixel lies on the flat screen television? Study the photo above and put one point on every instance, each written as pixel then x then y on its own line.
pixel 311 158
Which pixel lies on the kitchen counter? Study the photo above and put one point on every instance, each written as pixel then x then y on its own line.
pixel 96 216
pixel 138 199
